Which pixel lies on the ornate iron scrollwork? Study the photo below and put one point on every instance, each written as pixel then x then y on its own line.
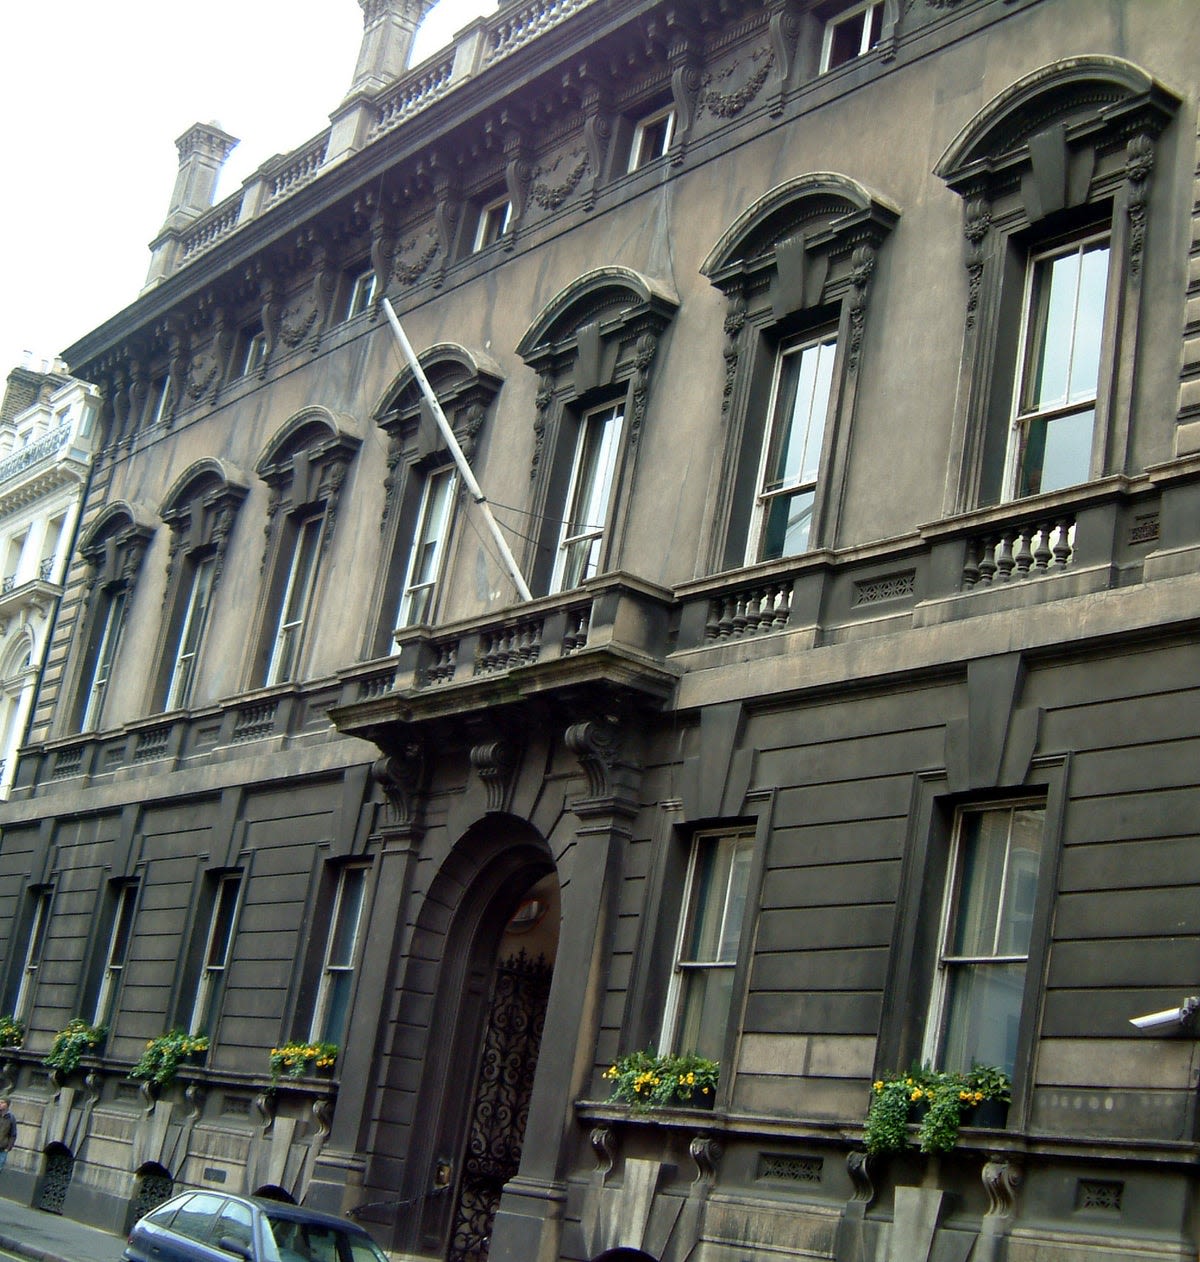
pixel 501 1110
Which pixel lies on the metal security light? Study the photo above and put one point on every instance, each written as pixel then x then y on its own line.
pixel 1182 1015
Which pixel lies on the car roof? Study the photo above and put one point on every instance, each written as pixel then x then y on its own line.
pixel 281 1209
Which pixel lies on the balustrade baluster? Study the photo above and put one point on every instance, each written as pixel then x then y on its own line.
pixel 987 560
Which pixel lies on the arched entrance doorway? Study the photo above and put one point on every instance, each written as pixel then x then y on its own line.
pixel 488 931
pixel 512 1039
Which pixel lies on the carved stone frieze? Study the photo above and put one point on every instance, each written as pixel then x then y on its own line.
pixel 647 344
pixel 542 402
pixel 553 182
pixel 735 321
pixel 414 255
pixel 203 375
pixel 297 319
pixel 1139 163
pixel 977 222
pixel 862 265
pixel 726 101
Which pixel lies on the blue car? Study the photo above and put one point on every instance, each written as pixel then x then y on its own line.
pixel 215 1227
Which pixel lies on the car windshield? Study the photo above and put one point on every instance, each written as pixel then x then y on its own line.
pixel 319 1242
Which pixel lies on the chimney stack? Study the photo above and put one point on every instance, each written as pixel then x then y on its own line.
pixel 203 149
pixel 389 27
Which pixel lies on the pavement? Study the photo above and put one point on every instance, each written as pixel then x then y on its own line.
pixel 43 1237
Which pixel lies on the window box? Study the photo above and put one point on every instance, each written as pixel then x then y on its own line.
pixel 938 1101
pixel 647 1081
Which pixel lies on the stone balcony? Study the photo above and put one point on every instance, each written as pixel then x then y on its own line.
pixel 619 642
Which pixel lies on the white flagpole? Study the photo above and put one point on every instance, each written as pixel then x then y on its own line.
pixel 456 451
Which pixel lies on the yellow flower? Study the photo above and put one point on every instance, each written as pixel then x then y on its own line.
pixel 917 1093
pixel 879 1085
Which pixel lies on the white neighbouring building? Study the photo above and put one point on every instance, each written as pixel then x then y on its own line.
pixel 46 440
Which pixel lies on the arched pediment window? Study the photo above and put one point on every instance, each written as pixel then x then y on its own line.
pixel 419 518
pixel 593 348
pixel 199 510
pixel 796 271
pixel 305 467
pixel 114 548
pixel 1054 176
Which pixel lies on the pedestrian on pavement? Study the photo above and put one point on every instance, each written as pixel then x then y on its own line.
pixel 8 1132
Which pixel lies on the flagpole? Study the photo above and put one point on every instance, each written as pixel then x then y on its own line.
pixel 510 562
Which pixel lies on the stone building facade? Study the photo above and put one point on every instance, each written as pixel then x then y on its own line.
pixel 832 370
pixel 47 435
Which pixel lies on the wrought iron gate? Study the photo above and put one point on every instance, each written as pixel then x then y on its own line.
pixel 501 1108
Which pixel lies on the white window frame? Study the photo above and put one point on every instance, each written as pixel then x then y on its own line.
pixel 14 555
pixel 427 553
pixel 807 481
pixel 214 964
pixel 362 293
pixel 35 945
pixel 639 156
pixel 190 641
pixel 340 972
pixel 598 490
pixel 107 648
pixel 1026 412
pixel 51 542
pixel 933 1050
pixel 255 353
pixel 734 898
pixel 161 386
pixel 864 12
pixel 495 218
pixel 119 938
pixel 295 605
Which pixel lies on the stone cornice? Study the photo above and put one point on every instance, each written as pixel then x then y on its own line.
pixel 442 124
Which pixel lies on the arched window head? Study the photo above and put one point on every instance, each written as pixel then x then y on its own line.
pixel 593 348
pixel 796 271
pixel 1054 176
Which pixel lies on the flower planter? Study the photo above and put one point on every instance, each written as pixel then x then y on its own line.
pixel 989 1115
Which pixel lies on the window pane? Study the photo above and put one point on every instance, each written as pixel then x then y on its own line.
pixel 1053 316
pixel 303 564
pixel 337 1006
pixel 994 887
pixel 803 401
pixel 1058 452
pixel 983 846
pixel 718 898
pixel 588 498
pixel 1089 322
pixel 983 1011
pixel 788 525
pixel 222 925
pixel 424 562
pixel 704 1011
pixel 1020 884
pixel 234 1224
pixel 196 1219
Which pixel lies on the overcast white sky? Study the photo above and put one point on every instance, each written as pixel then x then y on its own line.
pixel 92 97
